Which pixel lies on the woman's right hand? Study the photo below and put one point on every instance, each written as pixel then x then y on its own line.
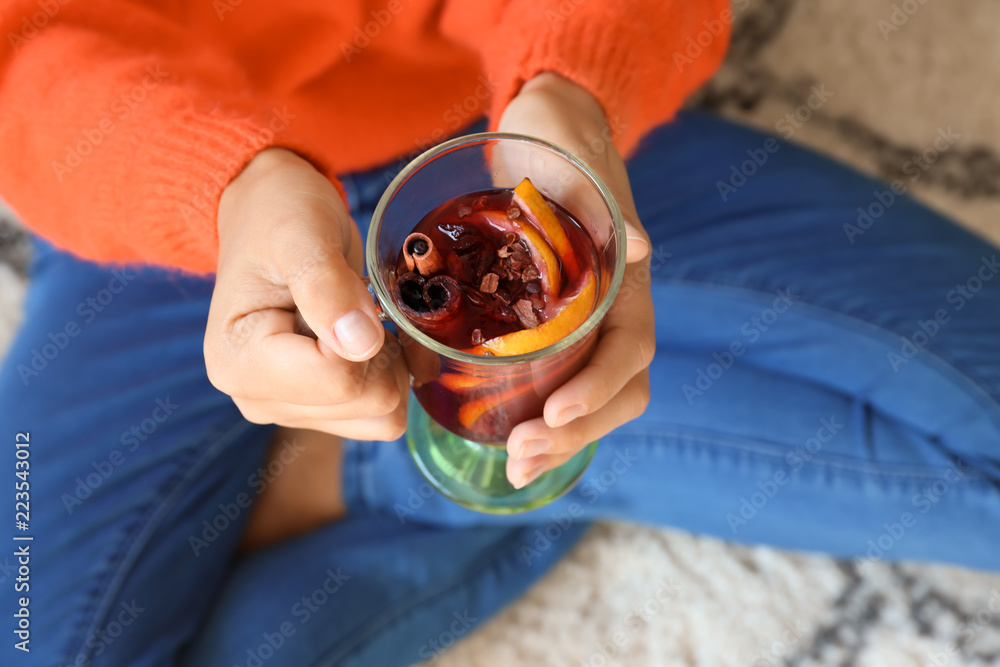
pixel 287 242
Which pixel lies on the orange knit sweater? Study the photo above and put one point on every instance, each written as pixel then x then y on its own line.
pixel 122 120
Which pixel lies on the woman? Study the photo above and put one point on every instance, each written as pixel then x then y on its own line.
pixel 826 373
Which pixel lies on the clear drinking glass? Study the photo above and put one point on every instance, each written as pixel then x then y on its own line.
pixel 469 465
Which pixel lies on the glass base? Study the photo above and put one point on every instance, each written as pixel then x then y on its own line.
pixel 475 475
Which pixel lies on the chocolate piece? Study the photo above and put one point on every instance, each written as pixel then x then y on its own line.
pixel 524 313
pixel 490 283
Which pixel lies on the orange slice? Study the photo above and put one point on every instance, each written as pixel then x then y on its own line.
pixel 459 382
pixel 541 214
pixel 543 255
pixel 544 258
pixel 471 412
pixel 561 325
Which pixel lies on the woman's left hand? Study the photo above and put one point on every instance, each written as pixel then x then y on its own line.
pixel 613 388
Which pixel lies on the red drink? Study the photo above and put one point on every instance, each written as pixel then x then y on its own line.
pixel 496 273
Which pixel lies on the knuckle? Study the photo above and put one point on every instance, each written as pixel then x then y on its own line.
pixel 312 266
pixel 307 272
pixel 567 439
pixel 251 413
pixel 387 399
pixel 396 428
pixel 569 442
pixel 216 372
pixel 642 398
pixel 348 386
pixel 392 426
pixel 647 350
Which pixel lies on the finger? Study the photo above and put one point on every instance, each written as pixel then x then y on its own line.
pixel 376 401
pixel 626 346
pixel 269 360
pixel 534 447
pixel 333 300
pixel 620 355
pixel 616 175
pixel 385 428
pixel 389 426
pixel 386 384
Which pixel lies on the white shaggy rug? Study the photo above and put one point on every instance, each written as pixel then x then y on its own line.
pixel 638 596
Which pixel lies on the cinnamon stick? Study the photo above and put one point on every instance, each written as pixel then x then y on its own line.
pixel 421 255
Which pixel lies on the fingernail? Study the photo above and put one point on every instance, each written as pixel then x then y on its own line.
pixel 566 415
pixel 534 447
pixel 356 333
pixel 632 234
pixel 527 477
pixel 638 245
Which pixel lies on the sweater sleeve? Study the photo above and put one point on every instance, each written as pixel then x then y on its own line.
pixel 121 128
pixel 639 58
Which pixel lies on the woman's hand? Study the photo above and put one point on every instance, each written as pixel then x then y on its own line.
pixel 287 242
pixel 614 386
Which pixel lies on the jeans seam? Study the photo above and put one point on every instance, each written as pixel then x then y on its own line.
pixel 950 370
pixel 148 519
pixel 86 627
pixel 352 472
pixel 734 450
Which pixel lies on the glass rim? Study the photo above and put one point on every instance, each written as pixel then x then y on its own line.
pixel 388 304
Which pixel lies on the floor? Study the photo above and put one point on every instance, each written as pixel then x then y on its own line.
pixel 629 595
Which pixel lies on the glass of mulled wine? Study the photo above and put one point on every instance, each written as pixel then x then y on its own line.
pixel 496 256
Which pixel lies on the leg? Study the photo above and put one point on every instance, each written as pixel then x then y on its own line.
pixel 132 450
pixel 369 591
pixel 305 496
pixel 809 434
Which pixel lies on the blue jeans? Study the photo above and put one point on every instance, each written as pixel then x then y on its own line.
pixel 826 378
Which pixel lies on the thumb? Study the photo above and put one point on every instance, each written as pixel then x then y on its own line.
pixel 334 302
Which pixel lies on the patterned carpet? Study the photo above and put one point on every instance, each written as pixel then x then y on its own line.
pixel 896 73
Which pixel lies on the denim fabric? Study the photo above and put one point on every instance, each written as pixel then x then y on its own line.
pixel 815 387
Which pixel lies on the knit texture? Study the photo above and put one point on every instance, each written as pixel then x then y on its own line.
pixel 123 121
